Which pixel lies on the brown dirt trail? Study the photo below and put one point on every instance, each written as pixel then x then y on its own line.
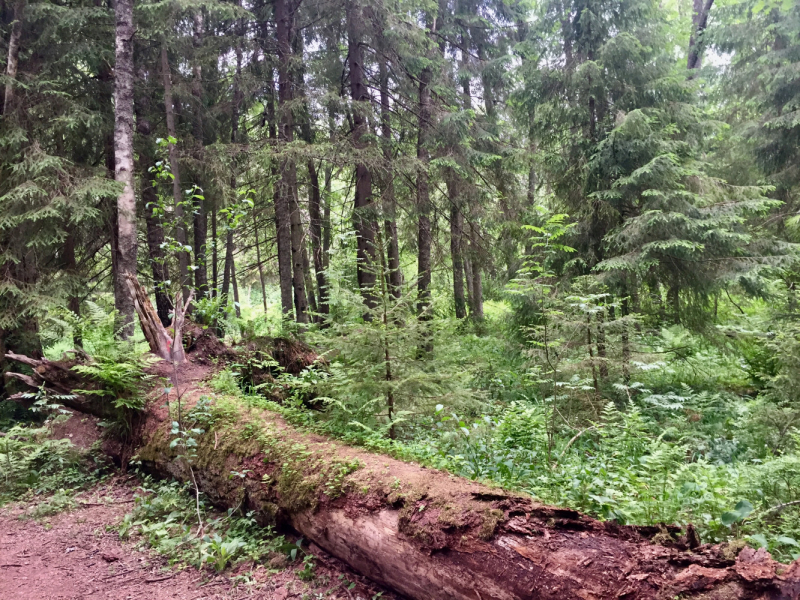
pixel 72 556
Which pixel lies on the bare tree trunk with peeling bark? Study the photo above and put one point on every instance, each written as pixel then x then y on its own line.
pixel 123 163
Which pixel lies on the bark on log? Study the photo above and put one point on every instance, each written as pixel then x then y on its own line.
pixel 61 380
pixel 430 535
pixel 159 340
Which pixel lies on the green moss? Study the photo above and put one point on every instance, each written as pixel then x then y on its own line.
pixel 450 515
pixel 492 517
pixel 731 550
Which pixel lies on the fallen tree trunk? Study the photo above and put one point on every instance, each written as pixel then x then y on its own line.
pixel 430 535
pixel 58 379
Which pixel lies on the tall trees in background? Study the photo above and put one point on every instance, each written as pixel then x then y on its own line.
pixel 363 214
pixel 427 137
pixel 200 220
pixel 287 182
pixel 424 139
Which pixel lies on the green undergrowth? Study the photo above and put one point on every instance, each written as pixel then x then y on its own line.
pixel 667 458
pixel 45 473
pixel 165 520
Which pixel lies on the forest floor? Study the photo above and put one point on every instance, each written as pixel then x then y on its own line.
pixel 78 554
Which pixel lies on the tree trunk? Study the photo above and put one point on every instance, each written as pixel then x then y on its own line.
pixel 155 247
pixel 488 91
pixel 456 233
pixel 315 228
pixel 591 353
pixel 229 277
pixel 199 213
pixel 123 162
pixel 298 254
pixel 468 277
pixel 184 277
pixel 311 295
pixel 674 299
pixel 71 269
pixel 477 282
pixel 292 282
pixel 214 257
pixel 363 213
pixel 626 347
pixel 394 274
pixel 236 304
pixel 12 63
pixel 700 12
pixel 326 219
pixel 601 345
pixel 226 274
pixel 260 266
pixel 428 535
pixel 424 234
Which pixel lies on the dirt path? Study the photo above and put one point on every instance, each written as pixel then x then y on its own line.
pixel 72 555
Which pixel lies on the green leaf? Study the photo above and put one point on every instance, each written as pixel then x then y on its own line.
pixel 729 518
pixel 743 508
pixel 782 539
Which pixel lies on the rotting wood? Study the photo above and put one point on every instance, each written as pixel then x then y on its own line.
pixel 430 535
pixel 160 342
pixel 61 380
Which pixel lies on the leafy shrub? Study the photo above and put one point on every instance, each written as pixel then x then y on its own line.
pixel 164 516
pixel 119 371
pixel 32 463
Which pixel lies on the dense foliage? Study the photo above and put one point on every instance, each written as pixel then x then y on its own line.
pixel 547 243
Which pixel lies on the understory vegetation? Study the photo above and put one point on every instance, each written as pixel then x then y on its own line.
pixel 547 244
pixel 164 519
pixel 46 473
pixel 702 432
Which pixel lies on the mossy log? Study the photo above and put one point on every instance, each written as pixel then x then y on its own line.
pixel 429 535
pixel 425 534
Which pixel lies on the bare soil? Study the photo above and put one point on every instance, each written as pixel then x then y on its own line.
pixel 78 554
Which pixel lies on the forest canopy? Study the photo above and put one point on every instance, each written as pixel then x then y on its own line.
pixel 552 244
